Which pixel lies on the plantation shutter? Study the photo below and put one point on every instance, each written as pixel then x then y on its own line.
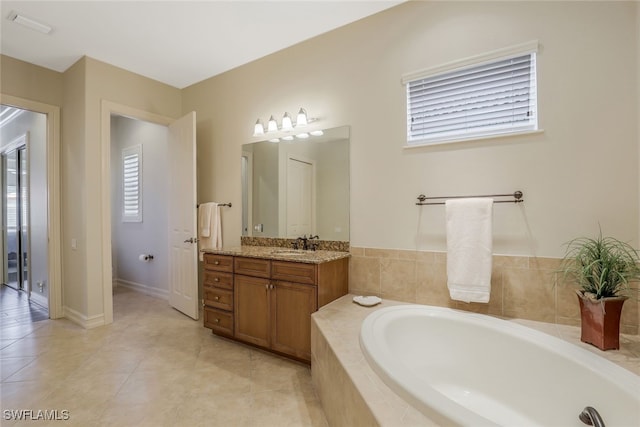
pixel 492 98
pixel 132 184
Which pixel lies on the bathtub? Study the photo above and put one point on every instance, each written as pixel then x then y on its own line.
pixel 461 368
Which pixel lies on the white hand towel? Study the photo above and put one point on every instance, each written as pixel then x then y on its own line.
pixel 469 248
pixel 210 224
pixel 204 218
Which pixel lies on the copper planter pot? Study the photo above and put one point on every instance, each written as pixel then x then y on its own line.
pixel 601 321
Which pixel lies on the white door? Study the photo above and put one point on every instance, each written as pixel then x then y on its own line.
pixel 300 197
pixel 183 249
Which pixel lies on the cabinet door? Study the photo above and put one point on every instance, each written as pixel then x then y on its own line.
pixel 251 303
pixel 291 308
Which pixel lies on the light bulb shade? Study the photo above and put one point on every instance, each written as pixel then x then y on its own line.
pixel 287 124
pixel 317 132
pixel 287 138
pixel 302 135
pixel 258 129
pixel 302 118
pixel 272 125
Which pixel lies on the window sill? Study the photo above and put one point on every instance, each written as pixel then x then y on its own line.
pixel 470 139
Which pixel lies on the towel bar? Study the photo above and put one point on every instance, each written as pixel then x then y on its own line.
pixel 219 204
pixel 517 198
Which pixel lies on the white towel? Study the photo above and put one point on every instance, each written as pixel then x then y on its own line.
pixel 210 227
pixel 469 248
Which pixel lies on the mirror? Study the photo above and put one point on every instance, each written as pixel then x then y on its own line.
pixel 297 187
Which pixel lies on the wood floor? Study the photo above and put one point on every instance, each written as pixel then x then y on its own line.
pixel 15 308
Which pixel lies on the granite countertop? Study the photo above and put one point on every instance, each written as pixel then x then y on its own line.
pixel 281 254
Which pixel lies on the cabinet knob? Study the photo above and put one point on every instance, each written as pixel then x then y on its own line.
pixel 216 279
pixel 217 298
pixel 216 262
pixel 217 320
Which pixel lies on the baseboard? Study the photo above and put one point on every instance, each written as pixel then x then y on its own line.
pixel 138 287
pixel 87 322
pixel 39 299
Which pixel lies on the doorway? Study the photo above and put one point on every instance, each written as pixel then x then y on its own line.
pixel 27 202
pixel 181 177
pixel 39 124
pixel 139 205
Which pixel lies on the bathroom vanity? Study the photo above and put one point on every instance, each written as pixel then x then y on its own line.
pixel 265 295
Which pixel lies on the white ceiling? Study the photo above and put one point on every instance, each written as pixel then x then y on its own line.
pixel 176 42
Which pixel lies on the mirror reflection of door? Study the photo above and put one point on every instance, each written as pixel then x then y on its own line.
pixel 300 197
pixel 247 193
pixel 15 228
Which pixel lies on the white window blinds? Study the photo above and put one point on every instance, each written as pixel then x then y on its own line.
pixel 132 184
pixel 492 98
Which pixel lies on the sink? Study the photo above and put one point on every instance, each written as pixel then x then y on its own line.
pixel 288 252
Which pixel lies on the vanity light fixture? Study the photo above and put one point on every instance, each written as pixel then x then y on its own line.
pixel 258 129
pixel 287 125
pixel 302 118
pixel 272 125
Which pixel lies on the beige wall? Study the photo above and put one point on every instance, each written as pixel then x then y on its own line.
pixel 581 172
pixel 28 81
pixel 72 192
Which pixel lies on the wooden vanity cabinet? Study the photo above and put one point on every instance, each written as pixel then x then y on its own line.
pixel 217 293
pixel 272 300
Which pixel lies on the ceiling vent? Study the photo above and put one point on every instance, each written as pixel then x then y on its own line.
pixel 29 22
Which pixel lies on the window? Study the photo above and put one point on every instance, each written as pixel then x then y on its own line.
pixel 483 96
pixel 132 184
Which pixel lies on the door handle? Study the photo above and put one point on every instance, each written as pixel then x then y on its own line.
pixel 191 240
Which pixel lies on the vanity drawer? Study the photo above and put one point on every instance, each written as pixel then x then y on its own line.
pixel 253 267
pixel 218 320
pixel 297 272
pixel 218 298
pixel 218 262
pixel 218 279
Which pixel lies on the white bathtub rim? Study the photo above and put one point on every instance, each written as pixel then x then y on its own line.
pixel 440 408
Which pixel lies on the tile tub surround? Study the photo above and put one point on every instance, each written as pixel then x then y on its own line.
pixel 351 392
pixel 521 287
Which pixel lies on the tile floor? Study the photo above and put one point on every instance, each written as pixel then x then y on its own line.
pixel 152 367
pixel 16 308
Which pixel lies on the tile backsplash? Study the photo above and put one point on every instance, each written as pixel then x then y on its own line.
pixel 521 287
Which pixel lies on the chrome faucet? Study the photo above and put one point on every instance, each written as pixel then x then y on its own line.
pixel 591 417
pixel 306 244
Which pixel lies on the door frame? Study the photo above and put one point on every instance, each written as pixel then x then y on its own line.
pixel 109 108
pixel 249 207
pixel 54 229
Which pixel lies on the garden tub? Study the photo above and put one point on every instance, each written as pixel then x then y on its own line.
pixel 461 368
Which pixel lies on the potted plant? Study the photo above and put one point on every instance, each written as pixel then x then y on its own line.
pixel 602 268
